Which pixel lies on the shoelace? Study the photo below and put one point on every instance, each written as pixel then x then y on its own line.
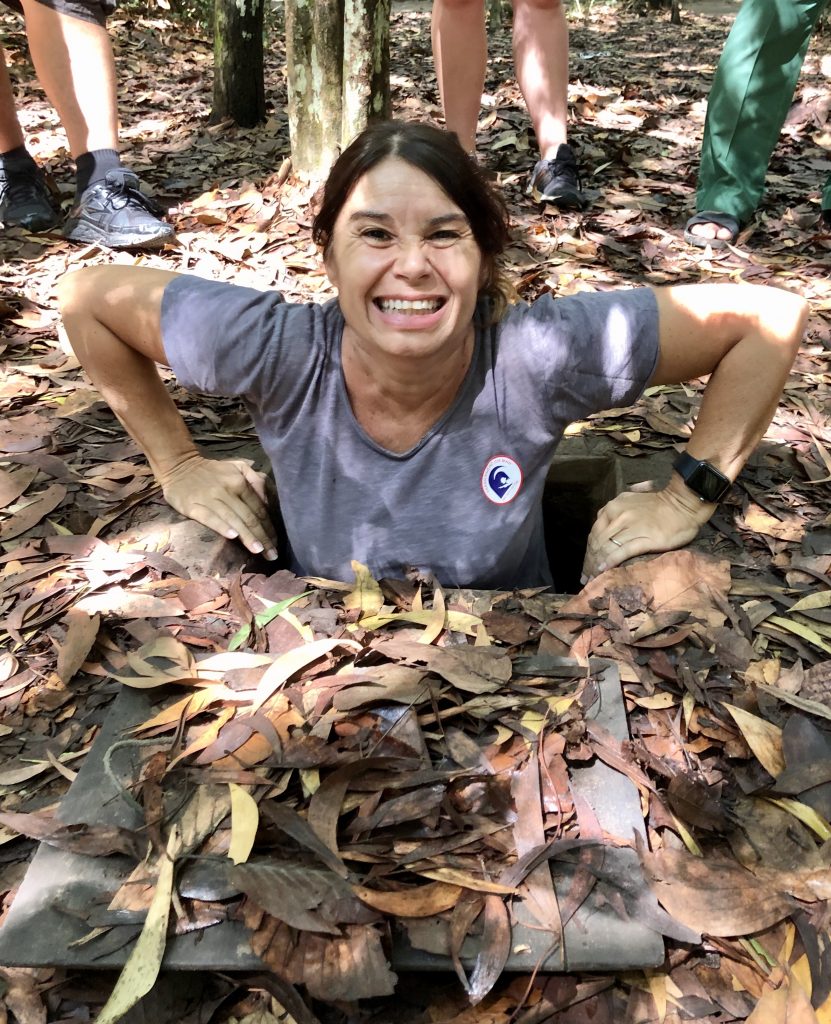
pixel 23 189
pixel 122 193
pixel 565 168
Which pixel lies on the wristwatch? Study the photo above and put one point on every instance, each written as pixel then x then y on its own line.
pixel 701 478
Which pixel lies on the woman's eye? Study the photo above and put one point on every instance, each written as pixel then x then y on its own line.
pixel 376 235
pixel 444 237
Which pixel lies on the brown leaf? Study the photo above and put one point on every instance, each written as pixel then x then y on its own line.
pixel 422 901
pixel 32 514
pixel 82 629
pixel 683 580
pixel 713 895
pixel 496 946
pixel 12 485
pixel 91 840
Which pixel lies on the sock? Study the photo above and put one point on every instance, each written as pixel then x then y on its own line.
pixel 19 155
pixel 92 167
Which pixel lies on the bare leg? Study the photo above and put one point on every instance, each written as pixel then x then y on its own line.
pixel 74 62
pixel 460 51
pixel 10 134
pixel 541 61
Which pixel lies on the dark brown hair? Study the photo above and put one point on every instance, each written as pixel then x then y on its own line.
pixel 440 155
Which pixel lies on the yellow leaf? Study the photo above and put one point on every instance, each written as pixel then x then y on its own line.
pixel 824 1012
pixel 245 817
pixel 206 737
pixel 306 632
pixel 503 734
pixel 459 622
pixel 656 702
pixel 142 967
pixel 763 738
pixel 185 708
pixel 807 634
pixel 435 623
pixel 482 638
pixel 807 815
pixel 366 594
pixel 310 780
pixel 687 838
pixel 658 991
pixel 801 973
pixel 787 945
pixel 455 876
pixel 688 705
pixel 811 601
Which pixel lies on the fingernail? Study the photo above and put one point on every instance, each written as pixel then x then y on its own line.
pixel 601 568
pixel 256 547
pixel 271 554
pixel 584 579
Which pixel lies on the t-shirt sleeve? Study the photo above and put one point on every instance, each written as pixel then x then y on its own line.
pixel 221 339
pixel 594 351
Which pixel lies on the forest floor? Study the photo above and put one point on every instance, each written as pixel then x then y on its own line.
pixel 728 682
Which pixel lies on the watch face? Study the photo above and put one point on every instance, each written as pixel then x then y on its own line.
pixel 708 483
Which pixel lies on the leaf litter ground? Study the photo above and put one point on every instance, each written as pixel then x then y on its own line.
pixel 272 738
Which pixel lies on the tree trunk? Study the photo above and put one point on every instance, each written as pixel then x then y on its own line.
pixel 239 90
pixel 496 17
pixel 366 65
pixel 314 57
pixel 337 54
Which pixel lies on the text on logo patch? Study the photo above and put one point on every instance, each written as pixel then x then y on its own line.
pixel 501 479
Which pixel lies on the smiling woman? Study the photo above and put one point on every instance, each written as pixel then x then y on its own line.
pixel 410 421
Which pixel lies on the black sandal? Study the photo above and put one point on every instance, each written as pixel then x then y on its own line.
pixel 723 220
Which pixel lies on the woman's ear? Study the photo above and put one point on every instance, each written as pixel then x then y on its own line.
pixel 330 266
pixel 486 273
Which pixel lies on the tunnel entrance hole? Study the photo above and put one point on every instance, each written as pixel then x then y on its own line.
pixel 576 489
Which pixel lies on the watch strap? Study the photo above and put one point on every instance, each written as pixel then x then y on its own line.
pixel 702 478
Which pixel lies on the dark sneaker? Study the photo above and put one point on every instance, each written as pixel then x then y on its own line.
pixel 24 197
pixel 116 213
pixel 558 181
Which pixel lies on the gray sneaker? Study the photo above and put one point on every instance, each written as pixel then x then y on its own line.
pixel 24 197
pixel 116 213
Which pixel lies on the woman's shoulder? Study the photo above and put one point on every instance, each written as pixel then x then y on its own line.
pixel 246 310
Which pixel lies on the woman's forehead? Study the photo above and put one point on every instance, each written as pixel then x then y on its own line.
pixel 395 183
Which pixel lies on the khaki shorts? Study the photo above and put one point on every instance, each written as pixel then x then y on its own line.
pixel 87 10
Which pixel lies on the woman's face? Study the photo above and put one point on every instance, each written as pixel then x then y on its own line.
pixel 405 263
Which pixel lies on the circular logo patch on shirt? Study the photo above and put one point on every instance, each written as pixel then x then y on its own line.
pixel 501 479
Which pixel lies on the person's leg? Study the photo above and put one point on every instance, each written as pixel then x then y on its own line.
pixel 541 62
pixel 74 61
pixel 749 100
pixel 24 197
pixel 460 52
pixel 11 135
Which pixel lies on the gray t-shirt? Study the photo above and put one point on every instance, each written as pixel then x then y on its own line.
pixel 465 502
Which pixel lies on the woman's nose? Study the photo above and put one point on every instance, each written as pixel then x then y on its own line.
pixel 412 260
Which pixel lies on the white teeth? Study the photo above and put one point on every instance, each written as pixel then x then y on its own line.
pixel 409 305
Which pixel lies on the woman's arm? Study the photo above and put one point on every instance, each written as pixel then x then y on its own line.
pixel 746 337
pixel 113 320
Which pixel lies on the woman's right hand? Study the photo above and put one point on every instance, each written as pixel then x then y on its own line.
pixel 228 496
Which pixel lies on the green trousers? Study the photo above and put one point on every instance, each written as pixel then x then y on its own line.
pixel 749 101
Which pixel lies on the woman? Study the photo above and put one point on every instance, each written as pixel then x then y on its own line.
pixel 411 421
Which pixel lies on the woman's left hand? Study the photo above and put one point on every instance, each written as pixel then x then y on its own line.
pixel 641 521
